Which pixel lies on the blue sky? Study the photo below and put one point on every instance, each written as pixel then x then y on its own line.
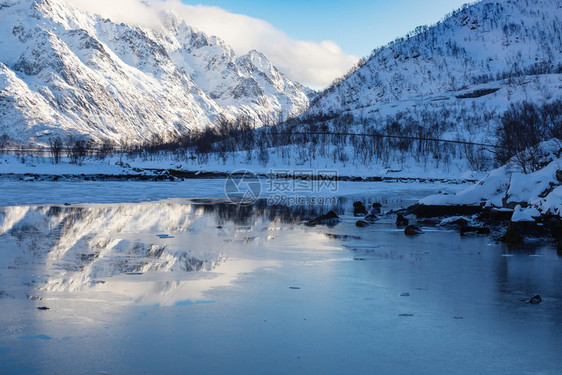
pixel 312 42
pixel 357 26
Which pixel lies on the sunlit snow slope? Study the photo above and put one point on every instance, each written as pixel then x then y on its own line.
pixel 63 70
pixel 458 76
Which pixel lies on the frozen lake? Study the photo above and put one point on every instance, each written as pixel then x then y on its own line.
pixel 205 287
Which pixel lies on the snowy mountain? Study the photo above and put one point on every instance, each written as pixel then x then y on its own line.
pixel 63 70
pixel 456 77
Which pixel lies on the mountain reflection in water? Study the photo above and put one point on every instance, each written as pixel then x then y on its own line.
pixel 107 247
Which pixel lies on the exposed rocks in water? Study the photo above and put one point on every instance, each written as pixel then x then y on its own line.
pixel 412 230
pixel 474 230
pixel 559 175
pixel 401 221
pixel 359 209
pixel 535 300
pixel 43 308
pixel 331 218
pixel 361 224
pixel 376 209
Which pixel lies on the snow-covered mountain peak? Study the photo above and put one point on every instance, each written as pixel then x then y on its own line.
pixel 93 76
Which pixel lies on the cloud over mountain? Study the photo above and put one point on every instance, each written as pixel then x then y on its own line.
pixel 312 63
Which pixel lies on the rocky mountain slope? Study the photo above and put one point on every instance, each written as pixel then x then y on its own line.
pixel 65 71
pixel 457 76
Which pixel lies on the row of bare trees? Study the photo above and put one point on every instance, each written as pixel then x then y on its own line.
pixel 386 141
pixel 523 128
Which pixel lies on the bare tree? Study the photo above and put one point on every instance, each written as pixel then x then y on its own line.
pixel 520 134
pixel 78 149
pixel 56 146
pixel 106 148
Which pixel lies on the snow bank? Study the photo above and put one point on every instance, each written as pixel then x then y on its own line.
pixel 531 195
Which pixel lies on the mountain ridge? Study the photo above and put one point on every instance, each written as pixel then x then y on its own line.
pixel 65 71
pixel 476 62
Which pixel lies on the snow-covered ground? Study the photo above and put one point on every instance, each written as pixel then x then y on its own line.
pixel 280 161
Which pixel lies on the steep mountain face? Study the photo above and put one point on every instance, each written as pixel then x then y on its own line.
pixel 457 76
pixel 64 71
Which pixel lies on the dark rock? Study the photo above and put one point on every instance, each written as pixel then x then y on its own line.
pixel 425 211
pixel 43 308
pixel 477 230
pixel 535 300
pixel 559 175
pixel 401 221
pixel 377 205
pixel 517 232
pixel 331 218
pixel 359 209
pixel 512 234
pixel 412 230
pixel 361 224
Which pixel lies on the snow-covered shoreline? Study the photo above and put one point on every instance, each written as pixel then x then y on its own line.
pixel 527 195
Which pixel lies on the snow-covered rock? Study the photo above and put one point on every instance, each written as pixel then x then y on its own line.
pixel 524 214
pixel 63 70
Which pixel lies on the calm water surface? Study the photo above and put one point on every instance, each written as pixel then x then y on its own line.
pixel 206 287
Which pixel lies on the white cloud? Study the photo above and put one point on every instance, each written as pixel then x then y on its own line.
pixel 312 63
